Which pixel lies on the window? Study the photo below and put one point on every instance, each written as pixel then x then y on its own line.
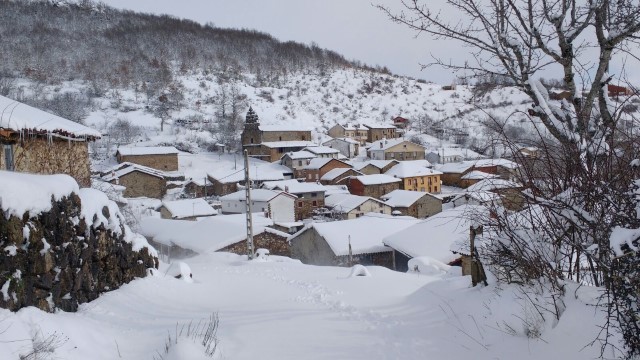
pixel 280 138
pixel 314 194
pixel 299 162
pixel 8 157
pixel 300 204
pixel 314 203
pixel 252 140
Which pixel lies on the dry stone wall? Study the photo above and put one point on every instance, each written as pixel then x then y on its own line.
pixel 55 261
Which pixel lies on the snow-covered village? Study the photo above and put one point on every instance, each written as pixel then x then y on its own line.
pixel 455 179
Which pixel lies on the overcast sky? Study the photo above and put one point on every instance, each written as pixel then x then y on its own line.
pixel 353 28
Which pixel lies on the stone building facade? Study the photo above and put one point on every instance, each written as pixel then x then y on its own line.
pixel 160 158
pixel 275 241
pixel 360 186
pixel 39 156
pixel 142 184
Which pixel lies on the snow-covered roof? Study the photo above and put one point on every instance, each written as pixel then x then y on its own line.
pixel 480 196
pixel 344 139
pixel 336 189
pixel 298 155
pixel 354 127
pixel 283 128
pixel 18 116
pixel 125 168
pixel 403 198
pixel 317 163
pixel 147 150
pixel 493 184
pixel 376 179
pixel 321 150
pixel 365 233
pixel 378 126
pixel 414 168
pixel 463 153
pixel 496 162
pixel 262 172
pixel 204 236
pixel 261 195
pixel 335 173
pixel 478 175
pixel 180 209
pixel 435 236
pixel 288 144
pixel 293 186
pixel 346 202
pixel 385 144
pixel 455 167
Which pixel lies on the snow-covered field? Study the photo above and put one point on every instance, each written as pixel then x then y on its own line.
pixel 281 309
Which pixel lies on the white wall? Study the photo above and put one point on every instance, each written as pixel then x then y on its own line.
pixel 282 208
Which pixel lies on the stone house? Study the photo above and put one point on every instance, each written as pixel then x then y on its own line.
pixel 379 132
pixel 318 167
pixel 140 181
pixel 348 242
pixel 164 158
pixel 511 196
pixel 337 176
pixel 186 209
pixel 416 176
pixel 373 185
pixel 223 233
pixel 346 146
pixel 396 149
pixel 356 132
pixel 373 167
pixel 38 142
pixel 452 173
pixel 296 160
pixel 310 195
pixel 349 206
pixel 277 205
pixel 199 187
pixel 413 203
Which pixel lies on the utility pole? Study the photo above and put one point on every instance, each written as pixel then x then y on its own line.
pixel 247 198
pixel 477 271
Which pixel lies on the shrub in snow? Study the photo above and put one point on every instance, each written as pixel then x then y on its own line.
pixel 192 341
pixel 359 270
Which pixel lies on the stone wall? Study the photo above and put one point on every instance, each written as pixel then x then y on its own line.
pixel 39 156
pixel 140 184
pixel 163 162
pixel 52 261
pixel 276 244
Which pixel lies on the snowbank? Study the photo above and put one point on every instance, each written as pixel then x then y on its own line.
pixel 21 193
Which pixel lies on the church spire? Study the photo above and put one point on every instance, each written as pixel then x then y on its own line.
pixel 252 117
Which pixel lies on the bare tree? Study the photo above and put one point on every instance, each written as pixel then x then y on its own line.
pixel 578 189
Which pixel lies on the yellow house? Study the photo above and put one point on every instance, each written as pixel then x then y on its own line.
pixel 416 176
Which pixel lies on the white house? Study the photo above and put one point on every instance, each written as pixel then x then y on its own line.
pixel 278 205
pixel 348 206
pixel 346 146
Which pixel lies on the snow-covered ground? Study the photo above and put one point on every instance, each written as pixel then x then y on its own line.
pixel 281 309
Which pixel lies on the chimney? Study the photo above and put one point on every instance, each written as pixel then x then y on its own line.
pixel 286 188
pixel 381 144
